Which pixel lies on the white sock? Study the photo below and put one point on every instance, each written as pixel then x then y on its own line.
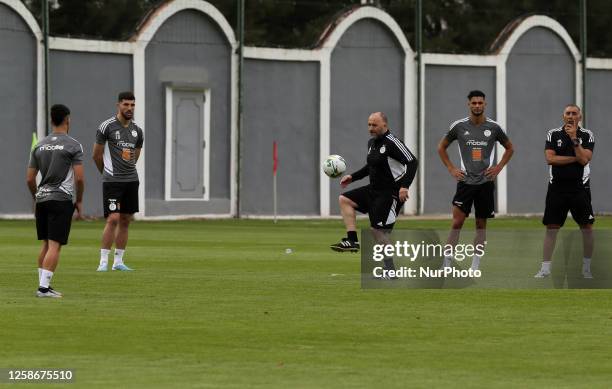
pixel 586 264
pixel 447 261
pixel 546 266
pixel 104 257
pixel 40 269
pixel 475 262
pixel 118 257
pixel 45 278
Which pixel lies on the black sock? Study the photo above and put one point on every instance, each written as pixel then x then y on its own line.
pixel 389 264
pixel 352 236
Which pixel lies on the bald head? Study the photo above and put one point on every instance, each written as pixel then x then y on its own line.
pixel 381 115
pixel 377 124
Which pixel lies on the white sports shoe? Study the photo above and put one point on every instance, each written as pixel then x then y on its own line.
pixel 587 274
pixel 121 267
pixel 542 274
pixel 475 264
pixel 447 263
pixel 55 292
pixel 48 293
pixel 103 267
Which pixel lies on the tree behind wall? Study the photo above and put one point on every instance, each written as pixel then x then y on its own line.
pixel 450 26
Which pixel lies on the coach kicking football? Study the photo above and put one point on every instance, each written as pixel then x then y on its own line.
pixel 116 151
pixel 59 159
pixel 391 168
pixel 568 152
pixel 476 136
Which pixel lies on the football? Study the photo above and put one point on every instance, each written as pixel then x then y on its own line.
pixel 334 166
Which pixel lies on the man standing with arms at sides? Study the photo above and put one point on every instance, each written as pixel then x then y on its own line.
pixel 391 168
pixel 476 136
pixel 568 151
pixel 116 151
pixel 59 158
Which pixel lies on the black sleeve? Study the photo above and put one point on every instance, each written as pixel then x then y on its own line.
pixel 411 170
pixel 400 153
pixel 361 173
pixel 549 141
pixel 364 171
pixel 588 141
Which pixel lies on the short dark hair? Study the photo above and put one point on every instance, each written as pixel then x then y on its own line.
pixel 127 95
pixel 58 114
pixel 475 93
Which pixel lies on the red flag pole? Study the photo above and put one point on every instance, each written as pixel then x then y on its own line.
pixel 274 170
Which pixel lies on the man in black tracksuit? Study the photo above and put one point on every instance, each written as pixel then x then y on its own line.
pixel 391 168
pixel 568 152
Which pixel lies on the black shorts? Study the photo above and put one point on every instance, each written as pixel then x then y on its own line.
pixel 381 207
pixel 53 220
pixel 120 197
pixel 481 195
pixel 559 202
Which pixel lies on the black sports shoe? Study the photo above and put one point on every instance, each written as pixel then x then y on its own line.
pixel 345 245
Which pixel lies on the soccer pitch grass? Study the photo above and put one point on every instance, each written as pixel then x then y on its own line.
pixel 221 304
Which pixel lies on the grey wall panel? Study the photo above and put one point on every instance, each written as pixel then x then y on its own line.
pixel 367 75
pixel 281 102
pixel 188 48
pixel 157 207
pixel 18 114
pixel 540 82
pixel 446 90
pixel 188 144
pixel 599 85
pixel 88 83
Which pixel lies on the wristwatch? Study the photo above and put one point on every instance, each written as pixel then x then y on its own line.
pixel 576 142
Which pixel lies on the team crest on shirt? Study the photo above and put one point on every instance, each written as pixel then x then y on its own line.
pixel 487 133
pixel 382 150
pixel 54 138
pixel 117 135
pixel 559 143
pixel 134 133
pixel 466 132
